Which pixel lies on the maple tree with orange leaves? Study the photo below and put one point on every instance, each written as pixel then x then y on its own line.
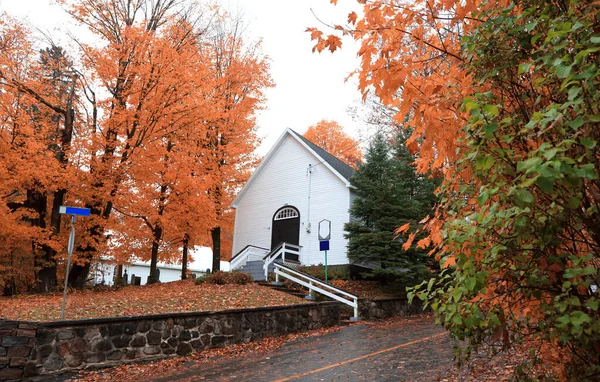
pixel 152 129
pixel 330 136
pixel 502 99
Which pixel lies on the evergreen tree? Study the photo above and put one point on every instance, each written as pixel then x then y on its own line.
pixel 389 194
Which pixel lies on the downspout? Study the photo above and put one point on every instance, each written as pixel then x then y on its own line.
pixel 309 174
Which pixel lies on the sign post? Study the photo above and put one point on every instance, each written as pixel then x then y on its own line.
pixel 73 211
pixel 324 236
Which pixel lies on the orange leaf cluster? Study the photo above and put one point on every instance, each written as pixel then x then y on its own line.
pixel 330 136
pixel 153 129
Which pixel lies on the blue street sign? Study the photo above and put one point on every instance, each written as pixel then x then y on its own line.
pixel 74 211
pixel 324 245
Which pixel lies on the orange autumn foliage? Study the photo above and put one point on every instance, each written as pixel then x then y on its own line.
pixel 330 136
pixel 162 108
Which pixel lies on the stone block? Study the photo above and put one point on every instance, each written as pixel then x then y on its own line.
pixel 197 344
pixel 217 340
pixel 20 351
pixel 79 332
pixel 158 325
pixel 229 326
pixel 121 341
pixel 11 373
pixel 189 323
pixel 53 363
pixel 115 329
pixel 138 341
pixel 18 361
pixel 2 352
pixel 114 355
pixel 154 338
pixel 102 346
pixel 103 331
pixel 131 353
pixel 63 349
pixel 195 334
pixel 8 324
pixel 168 351
pixel 30 369
pixel 28 325
pixel 175 331
pixel 65 335
pixel 184 348
pixel 185 335
pixel 151 350
pixel 44 351
pixel 170 323
pixel 26 332
pixel 130 328
pixel 95 358
pixel 207 326
pixel 205 338
pixel 74 359
pixel 15 341
pixel 8 332
pixel 173 342
pixel 144 326
pixel 4 361
pixel 79 346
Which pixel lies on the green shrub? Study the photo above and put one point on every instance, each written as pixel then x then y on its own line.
pixel 222 278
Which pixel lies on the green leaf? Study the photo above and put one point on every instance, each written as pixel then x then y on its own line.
pixel 574 202
pixel 546 184
pixel 524 67
pixel 524 196
pixel 491 110
pixel 588 143
pixel 563 71
pixel 528 164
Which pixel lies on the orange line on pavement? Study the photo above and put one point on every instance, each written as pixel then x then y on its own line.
pixel 359 358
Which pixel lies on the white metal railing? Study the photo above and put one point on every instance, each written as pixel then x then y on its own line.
pixel 281 250
pixel 317 285
pixel 249 253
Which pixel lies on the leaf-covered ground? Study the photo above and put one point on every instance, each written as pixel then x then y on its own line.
pixel 369 289
pixel 180 296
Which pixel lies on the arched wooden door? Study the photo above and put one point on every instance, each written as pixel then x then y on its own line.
pixel 286 226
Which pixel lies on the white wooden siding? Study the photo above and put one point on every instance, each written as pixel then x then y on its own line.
pixel 284 180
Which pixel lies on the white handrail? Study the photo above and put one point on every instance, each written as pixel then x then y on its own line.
pixel 271 257
pixel 281 271
pixel 243 256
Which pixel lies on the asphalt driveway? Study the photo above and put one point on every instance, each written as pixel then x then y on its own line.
pixel 412 349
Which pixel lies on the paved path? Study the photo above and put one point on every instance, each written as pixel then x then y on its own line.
pixel 406 350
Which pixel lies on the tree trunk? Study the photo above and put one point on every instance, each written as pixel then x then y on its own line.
pixel 184 261
pixel 46 263
pixel 215 233
pixel 157 235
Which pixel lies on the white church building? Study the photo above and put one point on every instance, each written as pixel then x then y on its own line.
pixel 297 185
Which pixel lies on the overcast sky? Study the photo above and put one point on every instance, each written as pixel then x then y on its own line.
pixel 309 86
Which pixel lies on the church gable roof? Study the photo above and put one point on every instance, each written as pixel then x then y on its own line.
pixel 335 165
pixel 338 165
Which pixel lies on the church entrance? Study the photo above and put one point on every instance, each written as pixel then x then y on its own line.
pixel 285 227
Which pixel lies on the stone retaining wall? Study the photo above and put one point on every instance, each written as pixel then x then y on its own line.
pixel 30 349
pixel 376 309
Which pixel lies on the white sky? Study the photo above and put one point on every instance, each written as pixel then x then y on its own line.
pixel 309 86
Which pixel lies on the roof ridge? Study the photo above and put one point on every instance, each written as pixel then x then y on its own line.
pixel 339 165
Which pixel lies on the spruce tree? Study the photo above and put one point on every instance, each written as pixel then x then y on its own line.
pixel 388 194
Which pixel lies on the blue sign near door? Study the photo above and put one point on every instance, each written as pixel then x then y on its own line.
pixel 324 245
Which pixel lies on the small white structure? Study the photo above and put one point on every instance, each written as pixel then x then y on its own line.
pixel 297 185
pixel 200 262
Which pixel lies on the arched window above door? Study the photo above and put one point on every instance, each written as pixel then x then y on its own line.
pixel 286 213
